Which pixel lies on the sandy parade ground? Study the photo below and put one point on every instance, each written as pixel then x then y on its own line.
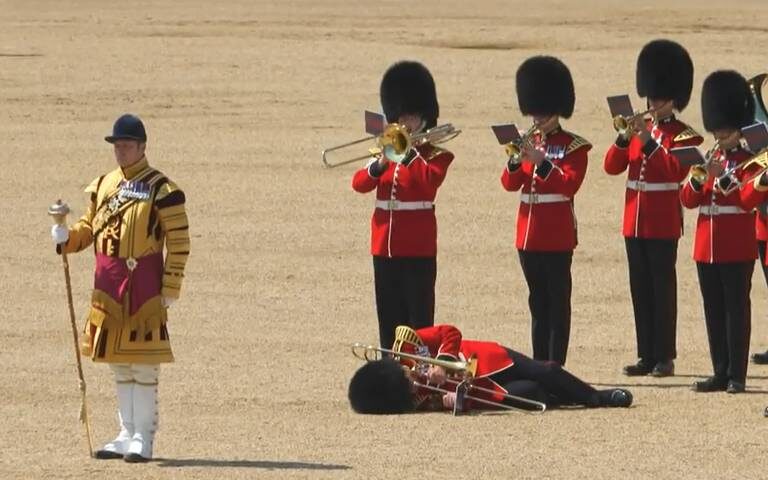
pixel 239 97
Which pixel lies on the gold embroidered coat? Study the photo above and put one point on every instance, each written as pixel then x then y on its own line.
pixel 132 214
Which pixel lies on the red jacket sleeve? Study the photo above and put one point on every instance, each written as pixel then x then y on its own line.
pixel 512 181
pixel 661 155
pixel 363 182
pixel 616 160
pixel 567 177
pixel 690 197
pixel 442 340
pixel 752 194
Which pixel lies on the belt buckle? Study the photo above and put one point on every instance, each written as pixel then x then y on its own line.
pixel 533 198
pixel 131 263
pixel 713 209
pixel 641 185
pixel 391 204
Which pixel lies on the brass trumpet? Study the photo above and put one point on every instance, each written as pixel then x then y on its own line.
pixel 463 372
pixel 395 142
pixel 515 148
pixel 700 172
pixel 621 123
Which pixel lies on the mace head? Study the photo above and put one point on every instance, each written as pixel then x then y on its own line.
pixel 59 211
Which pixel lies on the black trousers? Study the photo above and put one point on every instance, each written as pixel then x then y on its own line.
pixel 653 284
pixel 548 275
pixel 405 294
pixel 545 382
pixel 725 288
pixel 761 244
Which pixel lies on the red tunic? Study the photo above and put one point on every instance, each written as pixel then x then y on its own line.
pixel 546 220
pixel 761 226
pixel 755 194
pixel 403 223
pixel 651 203
pixel 724 235
pixel 445 342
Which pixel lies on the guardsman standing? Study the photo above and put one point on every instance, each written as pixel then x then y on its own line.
pixel 652 212
pixel 549 171
pixel 404 226
pixel 134 212
pixel 761 227
pixel 724 249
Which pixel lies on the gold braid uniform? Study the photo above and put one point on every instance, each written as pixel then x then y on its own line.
pixel 132 214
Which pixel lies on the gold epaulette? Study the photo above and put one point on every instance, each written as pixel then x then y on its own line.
pixel 577 142
pixel 166 189
pixel 687 134
pixel 435 152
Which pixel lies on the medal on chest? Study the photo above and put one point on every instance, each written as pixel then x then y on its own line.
pixel 554 152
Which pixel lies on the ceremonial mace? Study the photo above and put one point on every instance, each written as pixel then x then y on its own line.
pixel 59 213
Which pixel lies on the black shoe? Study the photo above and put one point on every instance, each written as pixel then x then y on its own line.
pixel 615 397
pixel 664 369
pixel 760 358
pixel 639 369
pixel 135 458
pixel 107 455
pixel 712 384
pixel 735 387
pixel 765 412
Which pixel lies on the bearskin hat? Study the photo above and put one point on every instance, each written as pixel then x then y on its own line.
pixel 726 101
pixel 545 87
pixel 408 88
pixel 665 71
pixel 380 387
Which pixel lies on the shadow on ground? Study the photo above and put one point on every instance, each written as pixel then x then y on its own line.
pixel 263 464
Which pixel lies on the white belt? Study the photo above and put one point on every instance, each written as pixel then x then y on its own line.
pixel 543 198
pixel 643 186
pixel 398 205
pixel 720 210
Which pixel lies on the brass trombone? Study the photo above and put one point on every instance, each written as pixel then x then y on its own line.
pixel 395 142
pixel 463 372
pixel 621 123
pixel 761 160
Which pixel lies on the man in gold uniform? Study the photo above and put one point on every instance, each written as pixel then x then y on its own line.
pixel 134 211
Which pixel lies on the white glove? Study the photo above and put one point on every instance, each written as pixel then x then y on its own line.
pixel 167 301
pixel 60 234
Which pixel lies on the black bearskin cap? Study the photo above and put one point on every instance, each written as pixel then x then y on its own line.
pixel 408 87
pixel 726 101
pixel 380 387
pixel 665 72
pixel 545 87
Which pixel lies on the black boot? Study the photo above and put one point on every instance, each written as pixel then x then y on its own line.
pixel 664 369
pixel 711 384
pixel 760 358
pixel 735 387
pixel 639 369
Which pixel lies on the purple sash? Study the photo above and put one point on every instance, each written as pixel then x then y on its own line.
pixel 114 278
